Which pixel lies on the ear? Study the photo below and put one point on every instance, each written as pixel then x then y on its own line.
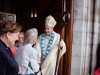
pixel 34 41
pixel 8 34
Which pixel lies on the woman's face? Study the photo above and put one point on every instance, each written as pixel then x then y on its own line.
pixel 20 38
pixel 12 37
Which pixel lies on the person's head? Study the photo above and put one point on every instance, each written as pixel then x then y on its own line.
pixel 21 38
pixel 9 32
pixel 30 36
pixel 49 25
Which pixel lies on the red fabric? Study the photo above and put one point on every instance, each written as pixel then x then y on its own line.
pixel 13 49
pixel 97 72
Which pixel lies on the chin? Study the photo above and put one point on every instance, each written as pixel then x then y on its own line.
pixel 12 44
pixel 48 34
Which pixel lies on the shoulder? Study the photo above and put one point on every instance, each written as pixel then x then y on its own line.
pixel 3 53
pixel 57 34
pixel 29 48
pixel 22 49
pixel 26 49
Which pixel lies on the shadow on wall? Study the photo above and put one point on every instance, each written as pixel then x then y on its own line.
pixel 98 57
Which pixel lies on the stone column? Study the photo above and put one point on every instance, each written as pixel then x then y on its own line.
pixel 95 33
pixel 85 37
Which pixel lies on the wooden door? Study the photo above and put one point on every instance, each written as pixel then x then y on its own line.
pixel 65 63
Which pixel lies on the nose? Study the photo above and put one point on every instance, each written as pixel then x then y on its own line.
pixel 16 38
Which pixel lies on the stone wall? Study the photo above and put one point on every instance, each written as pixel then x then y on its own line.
pixel 85 36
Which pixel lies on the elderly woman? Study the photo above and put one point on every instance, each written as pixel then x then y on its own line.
pixel 8 35
pixel 27 56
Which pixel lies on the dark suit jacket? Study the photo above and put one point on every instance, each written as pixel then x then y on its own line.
pixel 8 65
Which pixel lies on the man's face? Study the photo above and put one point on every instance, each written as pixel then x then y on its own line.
pixel 48 30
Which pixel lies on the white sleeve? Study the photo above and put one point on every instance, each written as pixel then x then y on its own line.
pixel 34 62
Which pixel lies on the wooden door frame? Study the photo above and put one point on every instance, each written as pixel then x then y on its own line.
pixel 66 70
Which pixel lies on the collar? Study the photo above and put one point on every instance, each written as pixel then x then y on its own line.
pixel 3 44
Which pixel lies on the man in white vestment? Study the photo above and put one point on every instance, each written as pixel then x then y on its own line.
pixel 48 45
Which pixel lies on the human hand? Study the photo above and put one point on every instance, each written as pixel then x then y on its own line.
pixel 39 61
pixel 61 44
pixel 19 69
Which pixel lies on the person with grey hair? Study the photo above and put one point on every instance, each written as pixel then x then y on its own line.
pixel 27 56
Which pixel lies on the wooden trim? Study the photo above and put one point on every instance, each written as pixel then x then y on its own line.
pixel 65 62
pixel 68 40
pixel 69 32
pixel 7 14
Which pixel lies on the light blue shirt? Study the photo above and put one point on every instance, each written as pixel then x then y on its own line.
pixel 24 55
